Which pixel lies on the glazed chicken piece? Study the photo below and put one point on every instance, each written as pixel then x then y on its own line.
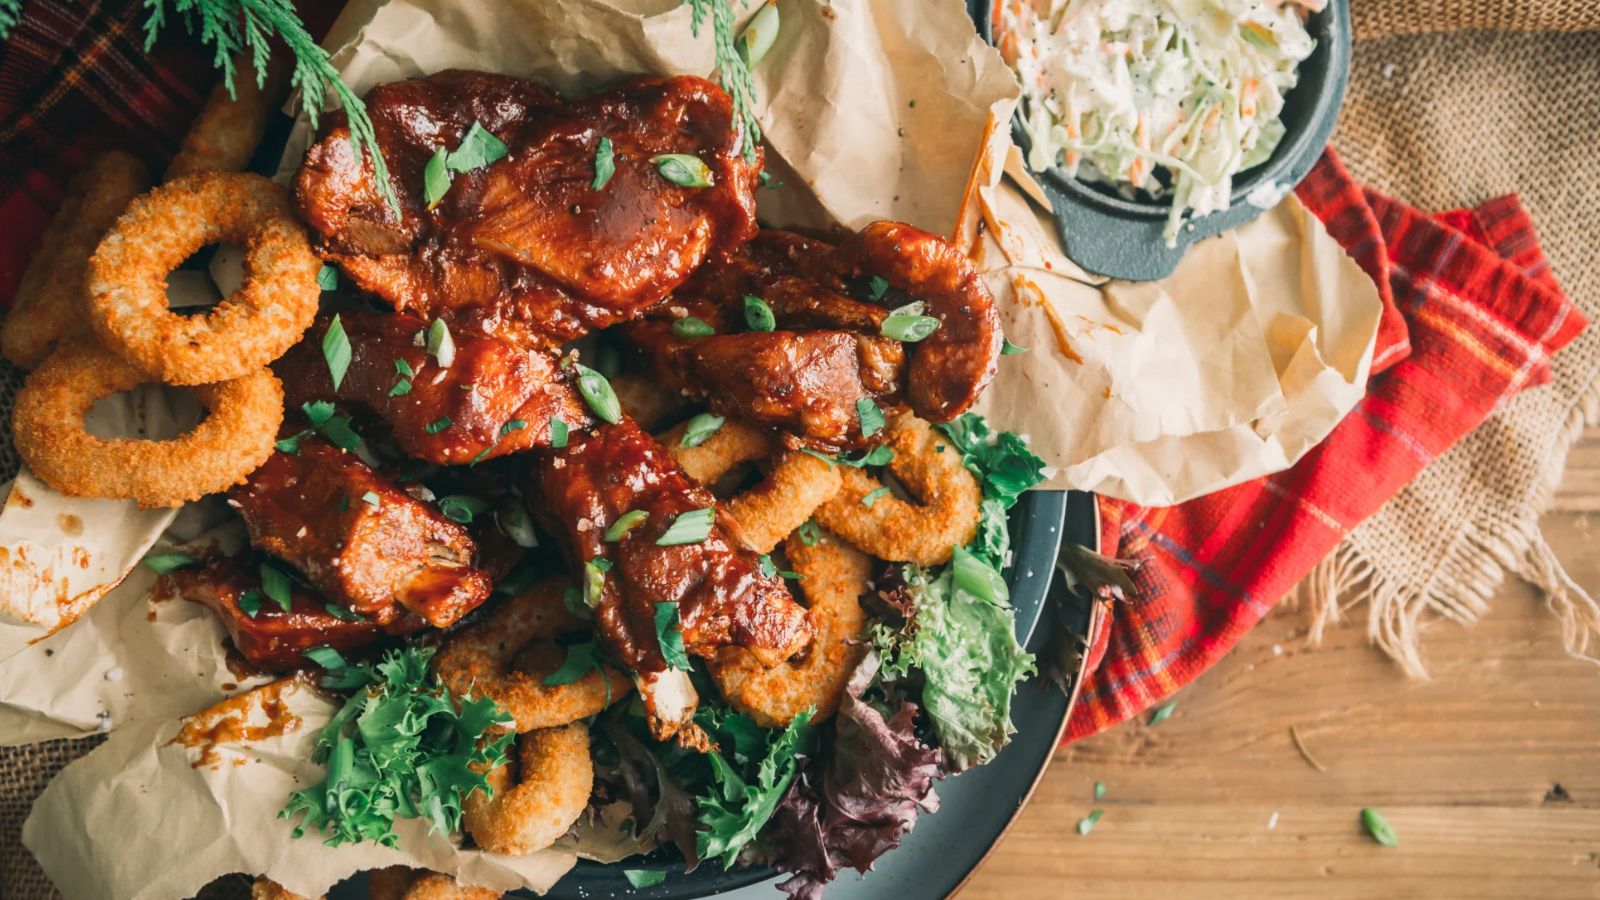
pixel 358 538
pixel 721 594
pixel 274 639
pixel 494 399
pixel 830 305
pixel 526 247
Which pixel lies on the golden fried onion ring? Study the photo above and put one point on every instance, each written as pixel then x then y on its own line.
pixel 235 438
pixel 49 307
pixel 247 330
pixel 405 883
pixel 265 888
pixel 548 792
pixel 507 655
pixel 833 577
pixel 764 514
pixel 892 529
pixel 225 134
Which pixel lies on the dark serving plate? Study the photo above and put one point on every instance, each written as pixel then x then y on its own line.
pixel 1109 235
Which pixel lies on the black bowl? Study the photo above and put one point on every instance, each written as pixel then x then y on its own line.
pixel 1109 235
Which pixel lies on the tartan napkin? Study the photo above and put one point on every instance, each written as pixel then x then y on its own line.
pixel 1471 316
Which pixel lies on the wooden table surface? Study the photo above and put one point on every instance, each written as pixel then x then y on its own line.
pixel 1490 772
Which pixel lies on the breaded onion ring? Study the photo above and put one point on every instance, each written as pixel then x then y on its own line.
pixel 225 134
pixel 892 529
pixel 833 577
pixel 250 328
pixel 764 514
pixel 265 888
pixel 537 798
pixel 49 307
pixel 405 883
pixel 234 439
pixel 507 655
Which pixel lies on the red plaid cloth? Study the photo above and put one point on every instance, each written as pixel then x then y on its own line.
pixel 1471 316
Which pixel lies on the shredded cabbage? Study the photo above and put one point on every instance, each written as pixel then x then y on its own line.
pixel 1114 89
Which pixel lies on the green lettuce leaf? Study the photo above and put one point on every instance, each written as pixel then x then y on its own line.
pixel 736 809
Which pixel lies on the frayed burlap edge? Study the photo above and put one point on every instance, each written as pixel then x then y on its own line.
pixel 1506 541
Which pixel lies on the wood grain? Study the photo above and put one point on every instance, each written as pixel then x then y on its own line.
pixel 1490 772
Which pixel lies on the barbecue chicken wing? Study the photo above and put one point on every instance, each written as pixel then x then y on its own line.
pixel 271 638
pixel 721 595
pixel 830 305
pixel 359 539
pixel 526 247
pixel 494 398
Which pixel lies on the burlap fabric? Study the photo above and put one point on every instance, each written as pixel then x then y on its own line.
pixel 1442 120
pixel 1451 102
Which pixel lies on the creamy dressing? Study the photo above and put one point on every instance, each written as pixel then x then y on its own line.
pixel 1115 89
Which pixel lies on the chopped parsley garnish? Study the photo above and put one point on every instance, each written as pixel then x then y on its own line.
pixel 877 286
pixel 478 149
pixel 690 527
pixel 604 164
pixel 877 456
pixel 401 747
pixel 582 658
pixel 670 635
pixel 700 429
pixel 336 351
pixel 870 415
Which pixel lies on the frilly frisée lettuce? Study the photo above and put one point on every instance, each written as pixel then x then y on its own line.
pixel 961 638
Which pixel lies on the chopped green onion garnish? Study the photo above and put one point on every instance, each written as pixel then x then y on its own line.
pixel 438 425
pixel 371 498
pixel 643 878
pixel 700 429
pixel 691 327
pixel 1009 349
pixel 597 392
pixel 758 315
pixel 340 612
pixel 162 563
pixel 907 326
pixel 558 433
pixel 690 527
pixel 275 585
pixel 594 580
pixel 513 520
pixel 462 508
pixel 755 41
pixel 326 657
pixel 250 603
pixel 604 164
pixel 683 169
pixel 1086 824
pixel 1379 827
pixel 809 533
pixel 327 278
pixel 1163 712
pixel 625 523
pixel 872 496
pixel 441 346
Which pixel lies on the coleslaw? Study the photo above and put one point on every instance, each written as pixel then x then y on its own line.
pixel 1161 99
